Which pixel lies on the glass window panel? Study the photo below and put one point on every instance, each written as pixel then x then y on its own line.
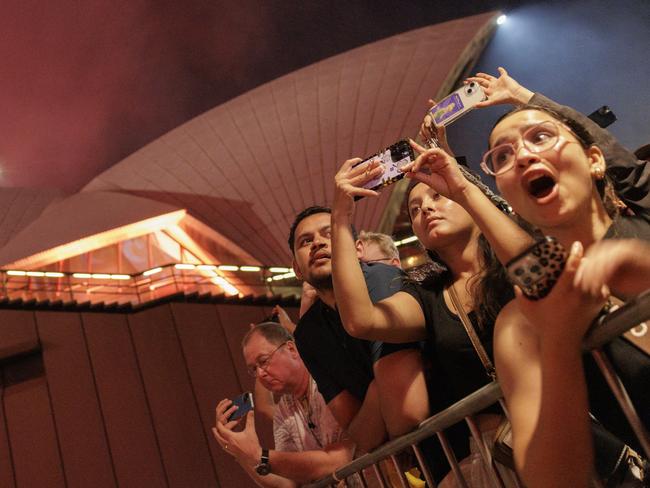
pixel 104 259
pixel 164 249
pixel 134 255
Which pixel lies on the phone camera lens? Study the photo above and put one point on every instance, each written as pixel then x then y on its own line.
pixel 470 88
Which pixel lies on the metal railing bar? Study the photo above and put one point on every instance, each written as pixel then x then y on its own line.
pixel 477 401
pixel 400 471
pixel 378 474
pixel 619 391
pixel 424 468
pixel 484 452
pixel 629 315
pixel 451 458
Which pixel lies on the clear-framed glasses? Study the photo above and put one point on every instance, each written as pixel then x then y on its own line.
pixel 536 139
pixel 264 362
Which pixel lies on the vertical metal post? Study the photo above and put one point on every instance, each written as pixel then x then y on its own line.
pixel 424 468
pixel 495 479
pixel 623 398
pixel 379 475
pixel 400 471
pixel 451 457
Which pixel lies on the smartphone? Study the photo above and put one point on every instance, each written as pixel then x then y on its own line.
pixel 244 403
pixel 392 158
pixel 457 103
pixel 604 116
pixel 538 268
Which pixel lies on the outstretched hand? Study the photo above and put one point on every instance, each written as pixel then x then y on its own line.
pixel 621 264
pixel 501 90
pixel 436 168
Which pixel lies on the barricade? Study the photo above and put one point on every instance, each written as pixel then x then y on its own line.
pixel 630 315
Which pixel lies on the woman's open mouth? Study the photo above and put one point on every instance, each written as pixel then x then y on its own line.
pixel 541 186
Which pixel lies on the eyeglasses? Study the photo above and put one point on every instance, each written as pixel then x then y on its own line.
pixel 263 363
pixel 536 139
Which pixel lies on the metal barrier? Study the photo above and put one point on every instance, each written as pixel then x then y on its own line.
pixel 607 328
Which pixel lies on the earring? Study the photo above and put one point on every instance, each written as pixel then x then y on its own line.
pixel 597 173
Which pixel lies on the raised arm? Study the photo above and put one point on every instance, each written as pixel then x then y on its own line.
pixel 538 354
pixel 394 319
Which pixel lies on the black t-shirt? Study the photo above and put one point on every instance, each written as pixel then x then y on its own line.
pixel 336 360
pixel 456 369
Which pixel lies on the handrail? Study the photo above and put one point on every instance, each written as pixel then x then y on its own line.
pixel 605 329
pixel 629 315
pixel 480 399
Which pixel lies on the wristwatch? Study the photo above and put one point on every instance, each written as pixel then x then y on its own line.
pixel 263 468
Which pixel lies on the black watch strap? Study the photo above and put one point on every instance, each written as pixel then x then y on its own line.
pixel 263 468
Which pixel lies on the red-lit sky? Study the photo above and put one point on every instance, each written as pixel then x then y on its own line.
pixel 85 83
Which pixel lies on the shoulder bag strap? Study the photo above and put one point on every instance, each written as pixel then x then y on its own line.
pixel 471 332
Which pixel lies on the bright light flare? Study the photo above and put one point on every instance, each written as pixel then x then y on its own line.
pixel 502 19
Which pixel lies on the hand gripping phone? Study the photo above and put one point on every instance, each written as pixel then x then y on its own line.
pixel 392 158
pixel 457 104
pixel 244 403
pixel 538 268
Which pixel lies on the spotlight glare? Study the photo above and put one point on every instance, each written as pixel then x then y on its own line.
pixel 502 19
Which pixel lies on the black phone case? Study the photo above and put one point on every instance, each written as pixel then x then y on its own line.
pixel 245 404
pixel 538 268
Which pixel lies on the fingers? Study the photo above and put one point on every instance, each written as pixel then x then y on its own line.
pixel 574 263
pixel 250 420
pixel 502 71
pixel 427 157
pixel 223 405
pixel 419 177
pixel 419 149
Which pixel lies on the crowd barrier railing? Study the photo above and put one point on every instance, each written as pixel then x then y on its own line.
pixel 628 316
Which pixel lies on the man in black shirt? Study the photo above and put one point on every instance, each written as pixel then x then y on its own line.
pixel 341 365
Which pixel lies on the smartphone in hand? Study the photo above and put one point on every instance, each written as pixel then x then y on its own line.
pixel 244 403
pixel 457 104
pixel 538 268
pixel 393 158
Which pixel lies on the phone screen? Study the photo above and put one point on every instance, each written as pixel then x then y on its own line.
pixel 244 402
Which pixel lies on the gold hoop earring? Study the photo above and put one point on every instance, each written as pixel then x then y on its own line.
pixel 597 173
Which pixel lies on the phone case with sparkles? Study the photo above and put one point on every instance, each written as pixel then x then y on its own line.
pixel 457 104
pixel 392 158
pixel 538 268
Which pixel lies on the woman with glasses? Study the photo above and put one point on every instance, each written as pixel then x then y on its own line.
pixel 629 176
pixel 553 176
